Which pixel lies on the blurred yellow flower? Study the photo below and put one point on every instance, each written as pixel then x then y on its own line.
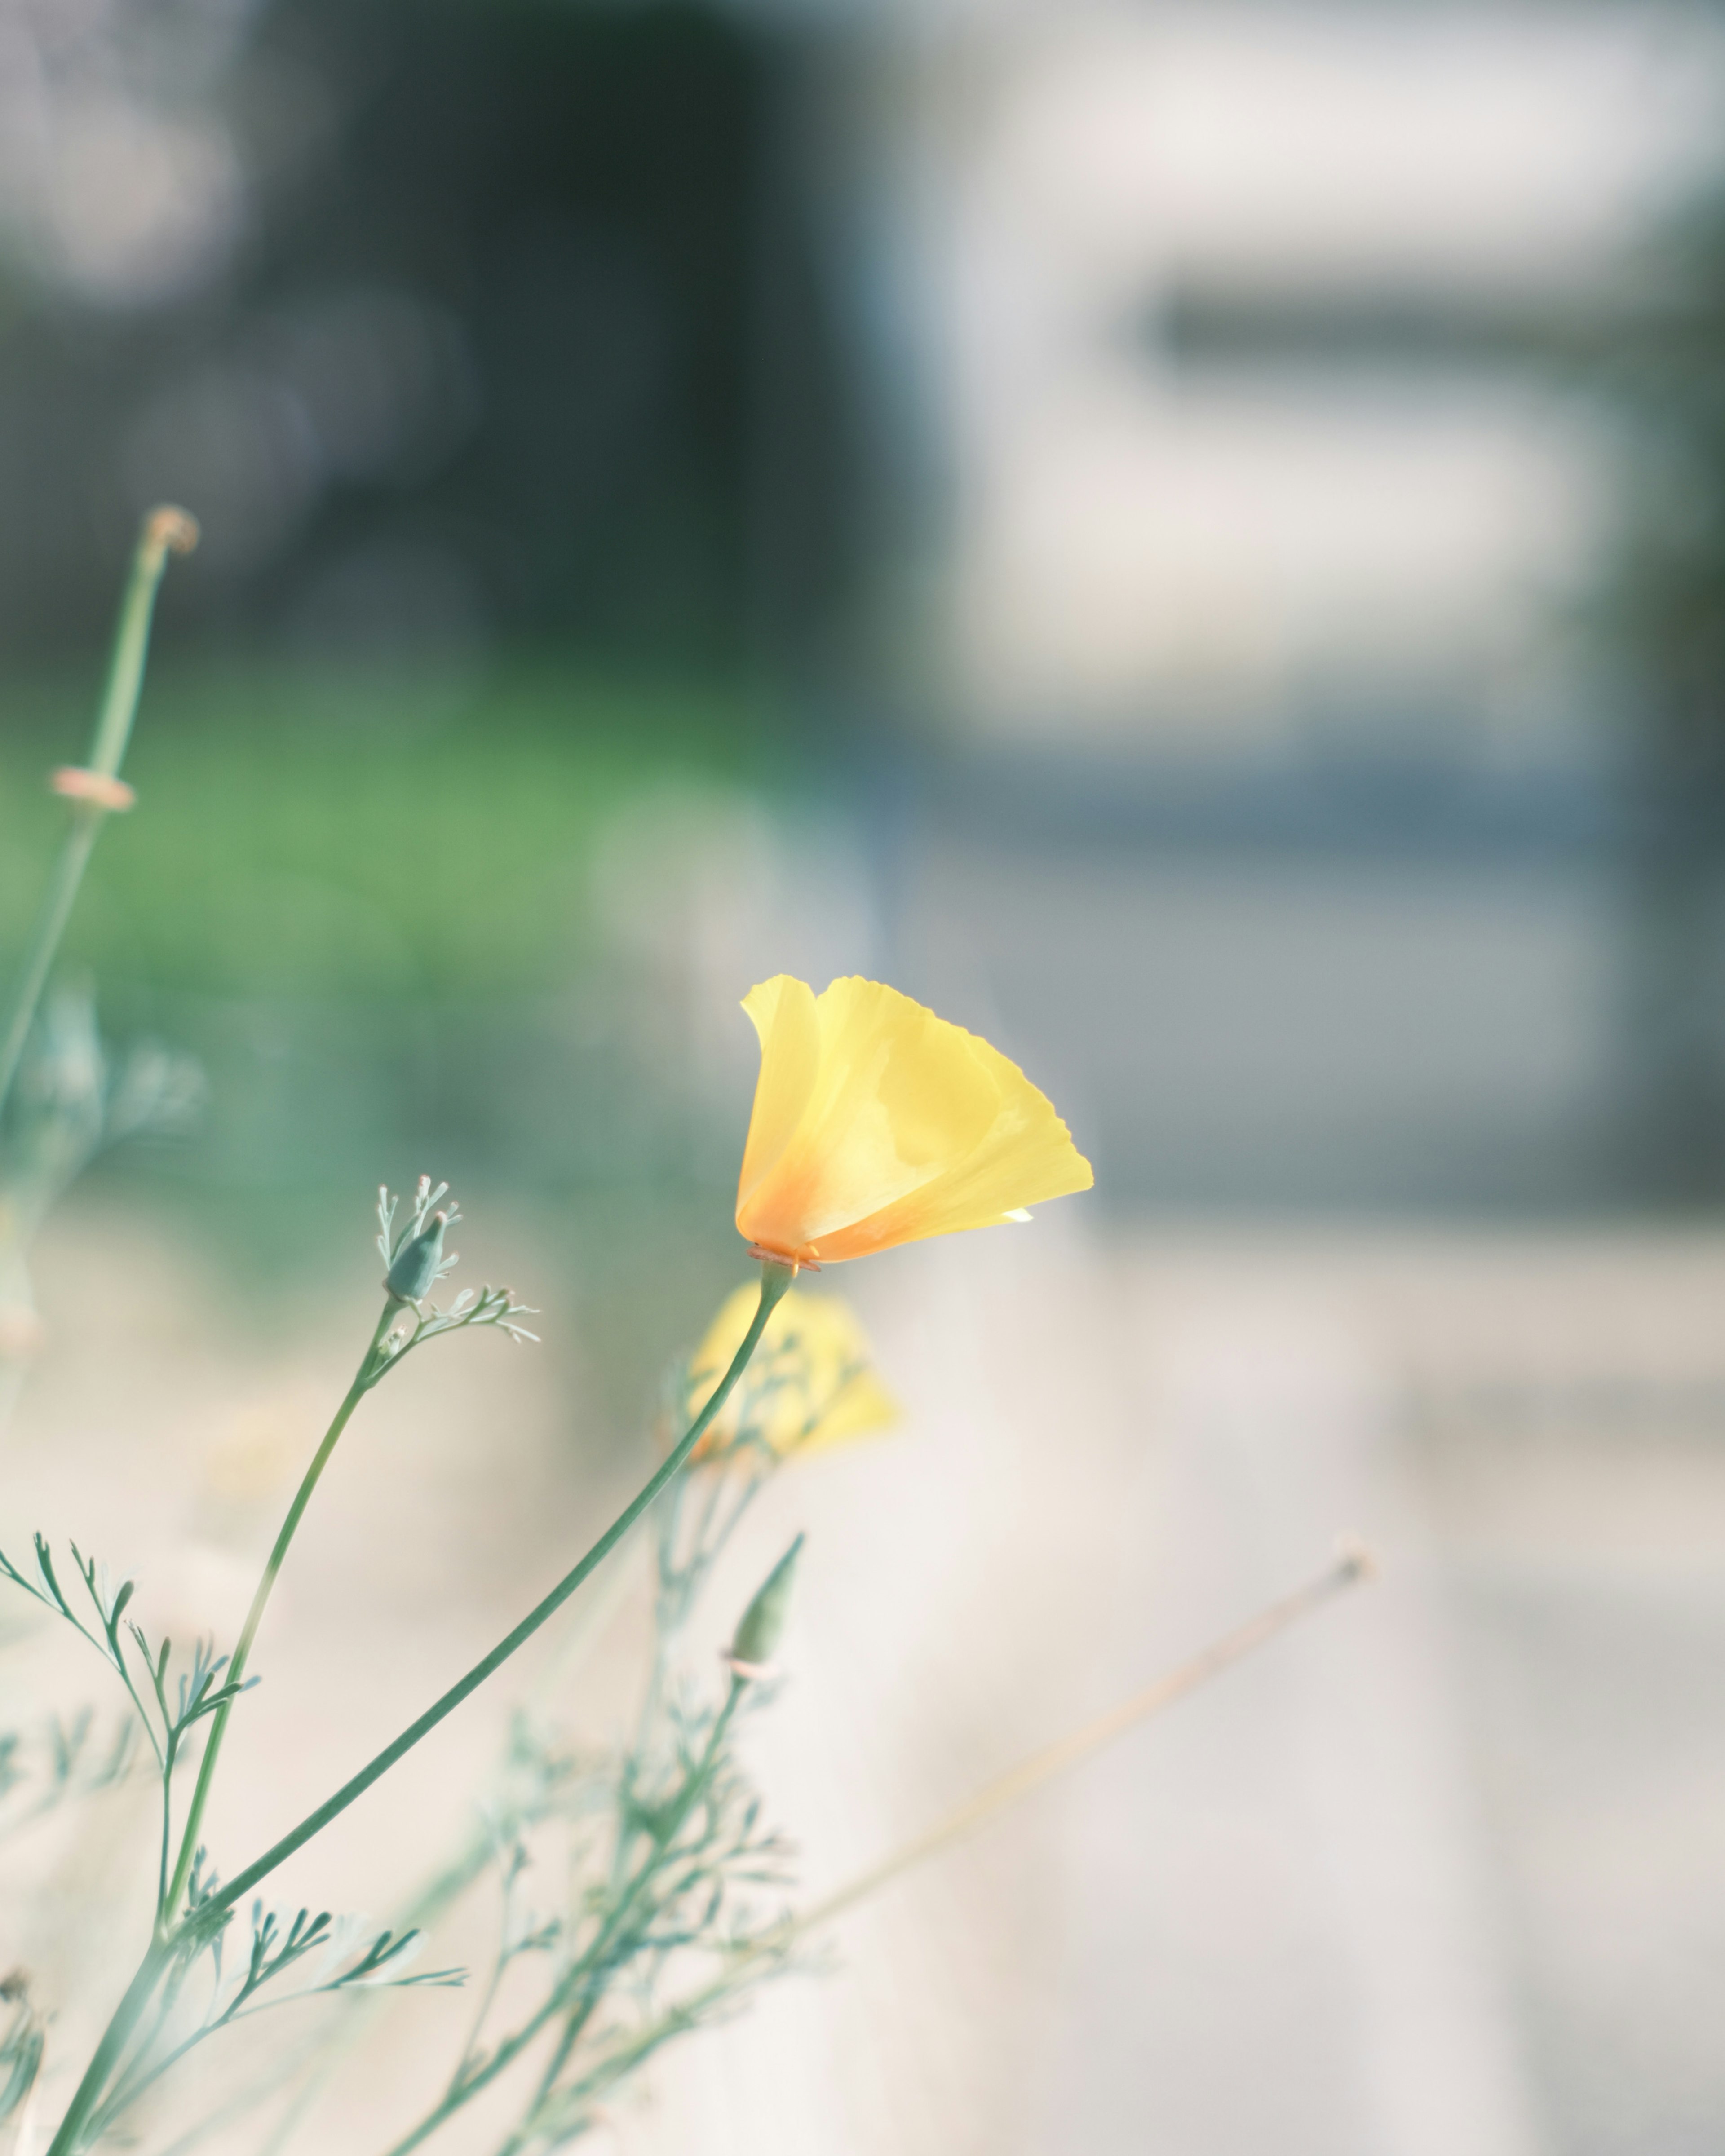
pixel 876 1123
pixel 810 1385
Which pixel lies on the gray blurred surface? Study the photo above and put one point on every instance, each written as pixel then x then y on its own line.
pixel 1252 995
pixel 1444 1870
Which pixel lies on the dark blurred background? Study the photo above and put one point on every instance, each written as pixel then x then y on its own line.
pixel 463 325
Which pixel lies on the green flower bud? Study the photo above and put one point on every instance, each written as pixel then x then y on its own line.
pixel 415 1267
pixel 763 1624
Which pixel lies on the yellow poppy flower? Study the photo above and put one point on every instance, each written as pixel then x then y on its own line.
pixel 809 1385
pixel 876 1123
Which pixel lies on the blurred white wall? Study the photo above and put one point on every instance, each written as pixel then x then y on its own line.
pixel 1134 541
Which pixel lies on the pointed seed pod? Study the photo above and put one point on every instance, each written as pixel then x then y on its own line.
pixel 758 1634
pixel 415 1267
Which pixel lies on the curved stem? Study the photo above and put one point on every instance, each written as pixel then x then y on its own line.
pixel 775 1279
pixel 164 531
pixel 364 1377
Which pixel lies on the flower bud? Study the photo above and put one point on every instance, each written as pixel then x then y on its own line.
pixel 763 1624
pixel 415 1267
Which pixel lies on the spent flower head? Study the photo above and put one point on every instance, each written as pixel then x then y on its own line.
pixel 811 1384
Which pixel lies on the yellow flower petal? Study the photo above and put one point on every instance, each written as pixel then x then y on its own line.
pixel 877 1123
pixel 783 1013
pixel 809 1384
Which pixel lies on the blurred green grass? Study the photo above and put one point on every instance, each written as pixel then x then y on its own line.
pixel 368 904
pixel 321 835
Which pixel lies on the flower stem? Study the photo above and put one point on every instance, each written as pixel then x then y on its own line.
pixel 775 1279
pixel 165 530
pixel 663 1836
pixel 586 1974
pixel 115 2036
pixel 364 1377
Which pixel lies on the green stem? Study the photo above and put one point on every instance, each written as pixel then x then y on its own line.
pixel 775 1279
pixel 164 531
pixel 114 2039
pixel 583 1972
pixel 662 1840
pixel 364 1377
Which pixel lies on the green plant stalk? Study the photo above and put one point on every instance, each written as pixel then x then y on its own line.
pixel 455 1881
pixel 775 1279
pixel 447 1886
pixel 464 2088
pixel 108 2053
pixel 364 1378
pixel 165 530
pixel 663 1838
